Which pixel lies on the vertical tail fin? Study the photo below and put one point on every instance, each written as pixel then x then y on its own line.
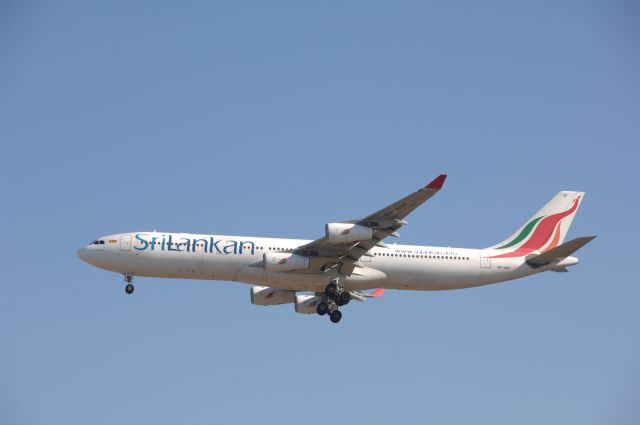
pixel 545 230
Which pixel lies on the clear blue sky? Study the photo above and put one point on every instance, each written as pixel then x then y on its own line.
pixel 273 118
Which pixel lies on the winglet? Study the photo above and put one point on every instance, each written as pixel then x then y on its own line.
pixel 377 293
pixel 437 183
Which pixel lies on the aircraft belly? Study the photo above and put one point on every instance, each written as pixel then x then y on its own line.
pixel 222 267
pixel 365 278
pixel 163 264
pixel 432 277
pixel 296 281
pixel 251 273
pixel 446 276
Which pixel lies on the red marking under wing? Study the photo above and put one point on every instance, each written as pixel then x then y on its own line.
pixel 377 293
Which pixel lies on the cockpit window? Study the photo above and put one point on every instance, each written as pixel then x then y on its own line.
pixel 98 242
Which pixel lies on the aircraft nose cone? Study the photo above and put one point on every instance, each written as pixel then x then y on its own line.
pixel 83 253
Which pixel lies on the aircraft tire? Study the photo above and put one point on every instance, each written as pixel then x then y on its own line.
pixel 335 316
pixel 129 289
pixel 332 290
pixel 322 308
pixel 343 298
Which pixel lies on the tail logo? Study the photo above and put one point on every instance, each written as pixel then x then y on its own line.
pixel 540 231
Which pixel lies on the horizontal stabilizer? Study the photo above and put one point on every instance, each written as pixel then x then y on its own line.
pixel 559 253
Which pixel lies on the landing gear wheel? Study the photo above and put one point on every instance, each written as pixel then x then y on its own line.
pixel 129 289
pixel 335 316
pixel 322 308
pixel 343 298
pixel 332 290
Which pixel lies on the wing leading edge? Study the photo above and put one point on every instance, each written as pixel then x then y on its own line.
pixel 325 254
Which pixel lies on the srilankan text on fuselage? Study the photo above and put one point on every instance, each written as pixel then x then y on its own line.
pixel 209 245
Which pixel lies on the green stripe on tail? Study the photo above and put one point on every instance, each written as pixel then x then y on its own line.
pixel 525 232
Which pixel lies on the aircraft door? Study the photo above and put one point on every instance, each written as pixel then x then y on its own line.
pixel 125 243
pixel 485 260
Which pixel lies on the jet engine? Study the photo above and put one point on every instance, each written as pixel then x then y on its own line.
pixel 338 233
pixel 262 295
pixel 285 262
pixel 307 304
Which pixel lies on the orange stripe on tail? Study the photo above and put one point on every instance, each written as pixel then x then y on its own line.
pixel 555 240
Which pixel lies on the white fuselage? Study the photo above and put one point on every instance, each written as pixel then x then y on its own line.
pixel 240 259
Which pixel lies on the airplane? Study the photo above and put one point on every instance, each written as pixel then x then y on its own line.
pixel 350 262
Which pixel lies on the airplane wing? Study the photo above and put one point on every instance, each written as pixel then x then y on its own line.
pixel 328 252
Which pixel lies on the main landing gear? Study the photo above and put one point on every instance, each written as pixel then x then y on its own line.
pixel 336 297
pixel 128 279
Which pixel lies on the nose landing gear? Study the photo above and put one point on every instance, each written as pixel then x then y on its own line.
pixel 128 279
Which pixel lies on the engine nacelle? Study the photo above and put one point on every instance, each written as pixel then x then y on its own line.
pixel 262 295
pixel 307 304
pixel 285 262
pixel 338 233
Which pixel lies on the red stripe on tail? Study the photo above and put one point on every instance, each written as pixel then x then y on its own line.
pixel 542 234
